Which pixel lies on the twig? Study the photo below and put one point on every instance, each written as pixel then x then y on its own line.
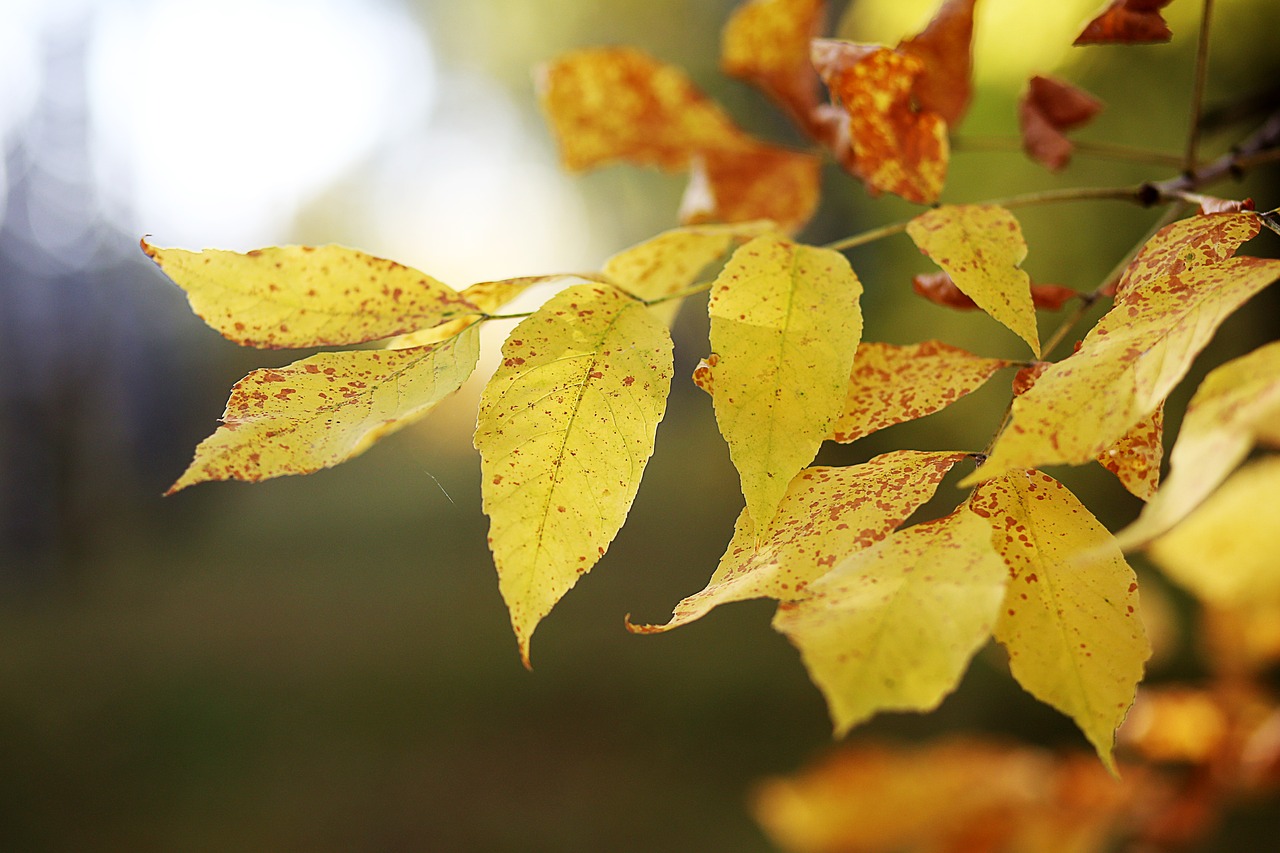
pixel 1197 89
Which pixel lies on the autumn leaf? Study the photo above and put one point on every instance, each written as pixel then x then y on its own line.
pixel 306 296
pixel 945 48
pixel 752 182
pixel 1072 629
pixel 1172 297
pixel 1048 109
pixel 766 43
pixel 785 323
pixel 895 148
pixel 981 247
pixel 487 296
pixel 1135 457
pixel 893 626
pixel 826 515
pixel 1127 22
pixel 328 408
pixel 565 428
pixel 1237 405
pixel 1225 551
pixel 939 289
pixel 891 384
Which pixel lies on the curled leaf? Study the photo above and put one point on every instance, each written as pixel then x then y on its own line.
pixel 1127 22
pixel 1048 109
pixel 945 47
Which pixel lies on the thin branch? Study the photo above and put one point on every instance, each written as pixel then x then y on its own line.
pixel 1259 147
pixel 1197 90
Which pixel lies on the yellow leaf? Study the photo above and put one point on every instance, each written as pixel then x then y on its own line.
pixel 1072 629
pixel 1225 551
pixel 305 296
pixel 565 428
pixel 981 247
pixel 891 384
pixel 826 515
pixel 325 409
pixel 1136 455
pixel 785 323
pixel 893 626
pixel 1236 405
pixel 1178 290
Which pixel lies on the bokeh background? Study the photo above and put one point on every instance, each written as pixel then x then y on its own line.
pixel 324 663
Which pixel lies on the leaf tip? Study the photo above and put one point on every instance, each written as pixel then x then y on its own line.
pixel 634 628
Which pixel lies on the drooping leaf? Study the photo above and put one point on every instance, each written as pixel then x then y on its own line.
pixel 891 384
pixel 785 323
pixel 826 515
pixel 766 43
pixel 1127 22
pixel 1172 297
pixel 1136 455
pixel 1225 551
pixel 893 626
pixel 565 429
pixel 325 409
pixel 946 48
pixel 981 247
pixel 1237 405
pixel 306 296
pixel 1072 629
pixel 1048 109
pixel 753 182
pixel 895 148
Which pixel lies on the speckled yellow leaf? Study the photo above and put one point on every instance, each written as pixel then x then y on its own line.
pixel 1225 551
pixel 1237 405
pixel 981 247
pixel 893 626
pixel 891 384
pixel 1071 627
pixel 1135 457
pixel 1177 291
pixel 826 515
pixel 785 323
pixel 325 409
pixel 565 429
pixel 306 296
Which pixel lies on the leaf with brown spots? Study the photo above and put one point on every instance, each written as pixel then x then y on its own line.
pixel 565 429
pixel 766 43
pixel 939 289
pixel 1072 628
pixel 620 104
pixel 826 515
pixel 304 296
pixel 785 323
pixel 1236 406
pixel 893 626
pixel 1172 297
pixel 328 408
pixel 981 247
pixel 891 384
pixel 894 147
pixel 1048 109
pixel 1135 457
pixel 945 47
pixel 1127 22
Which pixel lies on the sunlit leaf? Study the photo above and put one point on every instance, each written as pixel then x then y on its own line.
pixel 1173 296
pixel 893 626
pixel 1127 22
pixel 1225 551
pixel 565 428
pixel 981 247
pixel 766 42
pixel 305 296
pixel 488 296
pixel 1235 406
pixel 946 49
pixel 1048 109
pixel 325 409
pixel 1071 627
pixel 826 515
pixel 895 148
pixel 785 323
pixel 891 384
pixel 1136 455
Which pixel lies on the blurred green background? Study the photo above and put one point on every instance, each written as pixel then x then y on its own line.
pixel 324 663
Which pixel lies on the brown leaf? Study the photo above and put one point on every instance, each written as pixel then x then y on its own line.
pixel 1210 204
pixel 938 288
pixel 1049 108
pixel 1025 378
pixel 755 182
pixel 766 43
pixel 1127 22
pixel 946 49
pixel 894 147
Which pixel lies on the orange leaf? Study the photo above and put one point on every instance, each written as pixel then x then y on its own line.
pixel 704 374
pixel 895 148
pixel 1049 108
pixel 1135 457
pixel 1127 22
pixel 766 43
pixel 755 182
pixel 946 49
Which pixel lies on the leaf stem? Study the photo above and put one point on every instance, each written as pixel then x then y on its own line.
pixel 1197 89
